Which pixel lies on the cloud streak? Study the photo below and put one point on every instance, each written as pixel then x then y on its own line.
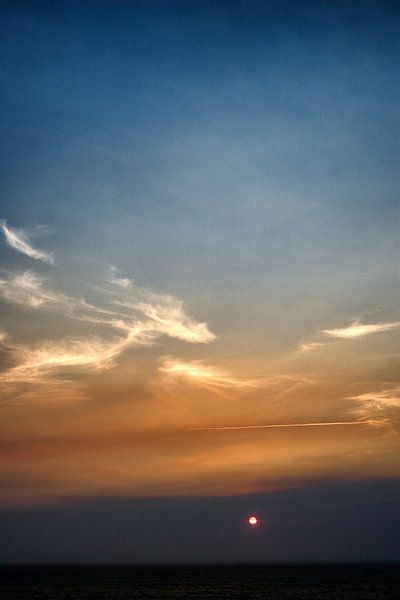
pixel 310 346
pixel 19 240
pixel 281 425
pixel 353 331
pixel 357 329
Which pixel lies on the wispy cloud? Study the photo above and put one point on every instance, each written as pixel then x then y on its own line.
pixel 164 313
pixel 142 318
pixel 35 362
pixel 310 346
pixel 115 279
pixel 357 329
pixel 201 374
pixel 19 240
pixel 50 367
pixel 169 318
pixel 381 405
pixel 353 331
pixel 42 391
pixel 27 288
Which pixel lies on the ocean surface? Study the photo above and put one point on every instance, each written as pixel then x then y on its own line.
pixel 322 582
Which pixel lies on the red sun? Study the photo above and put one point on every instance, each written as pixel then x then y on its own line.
pixel 253 520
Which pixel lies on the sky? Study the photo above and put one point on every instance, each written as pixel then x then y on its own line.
pixel 198 281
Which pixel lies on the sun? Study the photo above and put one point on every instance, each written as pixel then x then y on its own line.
pixel 253 520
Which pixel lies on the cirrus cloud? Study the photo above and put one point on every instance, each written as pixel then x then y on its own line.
pixel 142 318
pixel 200 374
pixel 358 329
pixel 19 240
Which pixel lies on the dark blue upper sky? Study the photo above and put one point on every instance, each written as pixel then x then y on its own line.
pixel 218 129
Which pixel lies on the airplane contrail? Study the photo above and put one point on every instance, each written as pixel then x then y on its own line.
pixel 280 425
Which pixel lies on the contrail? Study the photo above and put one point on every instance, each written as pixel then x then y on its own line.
pixel 280 425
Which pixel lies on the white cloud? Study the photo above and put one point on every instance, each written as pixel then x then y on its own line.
pixel 169 318
pixel 115 279
pixel 310 346
pixel 164 314
pixel 91 352
pixel 27 288
pixel 37 364
pixel 357 329
pixel 139 322
pixel 201 374
pixel 18 239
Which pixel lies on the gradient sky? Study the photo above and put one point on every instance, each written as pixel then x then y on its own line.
pixel 198 285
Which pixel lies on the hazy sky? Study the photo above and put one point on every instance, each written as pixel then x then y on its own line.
pixel 198 284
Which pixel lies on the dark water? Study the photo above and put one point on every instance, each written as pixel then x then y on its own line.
pixel 331 582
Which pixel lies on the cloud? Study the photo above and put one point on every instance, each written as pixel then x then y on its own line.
pixel 196 372
pixel 381 405
pixel 170 319
pixel 141 320
pixel 47 364
pixel 357 329
pixel 43 392
pixel 35 363
pixel 27 288
pixel 164 313
pixel 18 239
pixel 115 279
pixel 92 352
pixel 353 331
pixel 310 346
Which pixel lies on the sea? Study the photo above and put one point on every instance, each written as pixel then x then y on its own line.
pixel 222 582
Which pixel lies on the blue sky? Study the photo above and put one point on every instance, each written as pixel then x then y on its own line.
pixel 224 145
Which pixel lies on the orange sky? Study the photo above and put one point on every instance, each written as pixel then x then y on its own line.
pixel 149 401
